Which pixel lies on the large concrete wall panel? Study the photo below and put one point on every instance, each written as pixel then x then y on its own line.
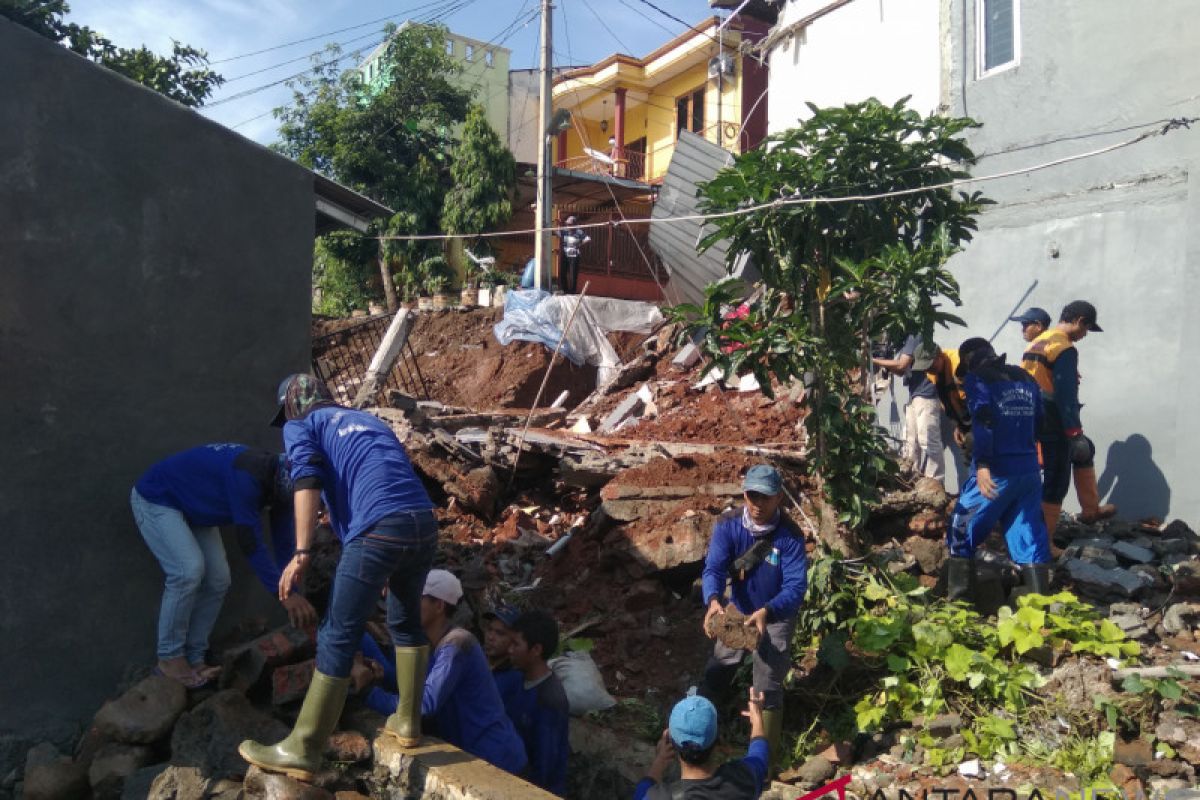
pixel 154 286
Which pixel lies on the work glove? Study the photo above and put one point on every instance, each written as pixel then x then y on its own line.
pixel 1082 451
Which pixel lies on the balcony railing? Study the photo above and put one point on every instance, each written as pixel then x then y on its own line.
pixel 631 165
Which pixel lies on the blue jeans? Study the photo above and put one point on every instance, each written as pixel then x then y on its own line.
pixel 1018 509
pixel 396 553
pixel 197 578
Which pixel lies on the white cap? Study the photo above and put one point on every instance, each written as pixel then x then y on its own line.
pixel 442 585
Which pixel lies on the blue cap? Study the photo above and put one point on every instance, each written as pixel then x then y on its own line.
pixel 1031 315
pixel 505 613
pixel 694 723
pixel 764 479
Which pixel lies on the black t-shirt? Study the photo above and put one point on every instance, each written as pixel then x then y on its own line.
pixel 917 381
pixel 733 780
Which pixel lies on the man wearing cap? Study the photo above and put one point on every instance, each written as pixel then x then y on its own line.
pixel 923 416
pixel 1053 361
pixel 497 636
pixel 1005 486
pixel 460 699
pixel 690 736
pixel 760 552
pixel 1034 322
pixel 568 265
pixel 384 518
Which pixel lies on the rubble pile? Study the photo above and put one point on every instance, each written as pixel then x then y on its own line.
pixel 599 510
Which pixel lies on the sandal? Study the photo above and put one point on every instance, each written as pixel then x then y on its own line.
pixel 207 671
pixel 192 680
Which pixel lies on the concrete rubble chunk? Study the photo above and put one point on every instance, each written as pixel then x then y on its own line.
pixel 179 783
pixel 1181 617
pixel 627 408
pixel 138 786
pixel 145 713
pixel 290 683
pixel 1186 577
pixel 1132 554
pixel 245 665
pixel 112 765
pixel 1100 581
pixel 1166 547
pixel 348 747
pixel 813 772
pixel 439 770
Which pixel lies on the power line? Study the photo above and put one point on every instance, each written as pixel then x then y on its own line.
pixel 669 15
pixel 305 57
pixel 783 202
pixel 604 25
pixel 323 35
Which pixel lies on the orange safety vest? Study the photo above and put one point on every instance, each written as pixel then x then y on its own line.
pixel 1039 358
pixel 954 396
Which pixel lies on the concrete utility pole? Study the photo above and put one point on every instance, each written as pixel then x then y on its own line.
pixel 542 249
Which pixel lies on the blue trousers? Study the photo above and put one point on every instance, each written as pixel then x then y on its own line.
pixel 396 553
pixel 1018 509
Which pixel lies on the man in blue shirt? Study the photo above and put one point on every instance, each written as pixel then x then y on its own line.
pixel 690 737
pixel 537 704
pixel 761 553
pixel 1005 485
pixel 380 511
pixel 178 505
pixel 460 700
pixel 923 416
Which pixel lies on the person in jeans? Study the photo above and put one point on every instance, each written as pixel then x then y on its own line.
pixel 383 516
pixel 923 415
pixel 690 736
pixel 178 505
pixel 568 265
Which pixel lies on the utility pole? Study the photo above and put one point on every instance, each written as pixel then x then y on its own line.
pixel 542 250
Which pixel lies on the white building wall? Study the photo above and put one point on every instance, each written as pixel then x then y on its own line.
pixel 866 48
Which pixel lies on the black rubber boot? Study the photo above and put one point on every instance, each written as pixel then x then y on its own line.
pixel 960 577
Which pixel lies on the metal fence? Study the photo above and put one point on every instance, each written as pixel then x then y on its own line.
pixel 342 358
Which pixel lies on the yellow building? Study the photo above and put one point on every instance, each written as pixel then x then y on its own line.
pixel 629 111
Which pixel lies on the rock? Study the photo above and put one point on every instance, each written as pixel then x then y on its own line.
pixel 1133 625
pixel 1137 753
pixel 1167 768
pixel 1177 729
pixel 42 754
pixel 244 666
pixel 138 785
pixel 1132 554
pixel 1186 577
pixel 113 764
pixel 1124 779
pixel 208 736
pixel 290 683
pixel 731 629
pixel 944 725
pixel 1149 575
pixel 348 747
pixel 1163 787
pixel 1097 581
pixel 1100 556
pixel 1181 617
pixel 813 772
pixel 179 783
pixel 261 785
pixel 1171 547
pixel 145 713
pixel 1181 794
pixel 929 553
pixel 346 795
pixel 676 539
pixel 61 779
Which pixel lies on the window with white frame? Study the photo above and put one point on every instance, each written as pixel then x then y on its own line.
pixel 489 58
pixel 470 52
pixel 449 47
pixel 999 41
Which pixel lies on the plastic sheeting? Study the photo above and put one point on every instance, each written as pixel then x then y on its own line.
pixel 537 316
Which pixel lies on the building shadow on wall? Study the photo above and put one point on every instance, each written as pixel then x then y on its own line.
pixel 1133 482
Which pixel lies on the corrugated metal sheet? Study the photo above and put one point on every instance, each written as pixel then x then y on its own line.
pixel 695 160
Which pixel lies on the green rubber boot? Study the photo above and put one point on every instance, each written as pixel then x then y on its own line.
pixel 411 665
pixel 299 755
pixel 773 727
pixel 1036 578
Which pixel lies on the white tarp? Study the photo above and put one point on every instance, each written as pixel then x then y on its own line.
pixel 534 315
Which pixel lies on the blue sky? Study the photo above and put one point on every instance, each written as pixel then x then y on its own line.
pixel 229 28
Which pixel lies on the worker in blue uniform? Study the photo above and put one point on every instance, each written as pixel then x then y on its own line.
pixel 460 700
pixel 381 513
pixel 178 505
pixel 1005 485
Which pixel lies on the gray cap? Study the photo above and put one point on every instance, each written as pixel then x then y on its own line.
pixel 764 479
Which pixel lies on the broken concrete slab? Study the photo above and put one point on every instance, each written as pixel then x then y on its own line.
pixel 145 713
pixel 1097 580
pixel 617 491
pixel 627 408
pixel 1181 617
pixel 439 771
pixel 1131 553
pixel 261 785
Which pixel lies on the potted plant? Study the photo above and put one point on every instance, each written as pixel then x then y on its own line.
pixel 469 293
pixel 435 274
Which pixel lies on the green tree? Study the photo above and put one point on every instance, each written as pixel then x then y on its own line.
pixel 838 275
pixel 183 77
pixel 483 179
pixel 391 141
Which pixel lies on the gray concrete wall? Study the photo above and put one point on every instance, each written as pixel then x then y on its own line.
pixel 154 287
pixel 1119 229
